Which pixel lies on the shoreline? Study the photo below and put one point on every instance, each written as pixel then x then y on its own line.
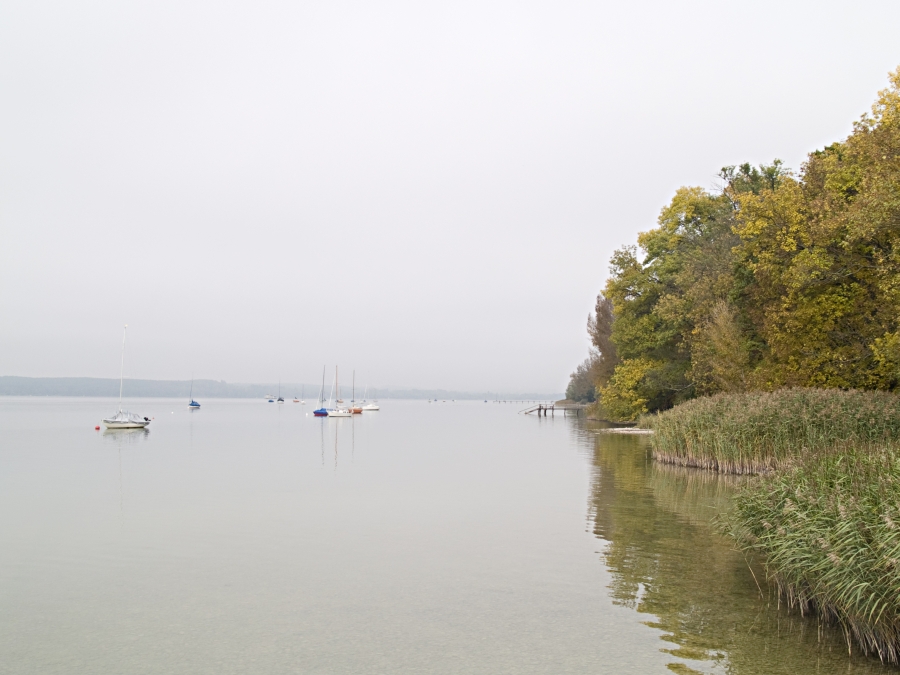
pixel 819 509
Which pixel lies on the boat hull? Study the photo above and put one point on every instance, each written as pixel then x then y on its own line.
pixel 339 413
pixel 125 425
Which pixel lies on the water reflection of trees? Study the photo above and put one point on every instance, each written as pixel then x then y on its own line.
pixel 667 561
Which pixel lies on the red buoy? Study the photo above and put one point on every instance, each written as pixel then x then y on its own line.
pixel 97 428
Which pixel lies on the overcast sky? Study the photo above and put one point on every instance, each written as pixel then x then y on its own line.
pixel 426 192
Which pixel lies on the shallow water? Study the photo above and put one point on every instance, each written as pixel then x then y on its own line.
pixel 251 537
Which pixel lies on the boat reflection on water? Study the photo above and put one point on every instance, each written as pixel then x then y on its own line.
pixel 126 435
pixel 668 561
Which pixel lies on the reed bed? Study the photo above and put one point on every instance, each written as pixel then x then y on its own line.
pixel 756 432
pixel 827 525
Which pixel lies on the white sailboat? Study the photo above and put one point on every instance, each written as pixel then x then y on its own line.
pixel 124 419
pixel 339 411
pixel 369 406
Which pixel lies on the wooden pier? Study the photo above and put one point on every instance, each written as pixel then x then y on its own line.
pixel 542 409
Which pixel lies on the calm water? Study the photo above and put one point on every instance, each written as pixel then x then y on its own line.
pixel 251 537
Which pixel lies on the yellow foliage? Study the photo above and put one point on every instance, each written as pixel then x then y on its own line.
pixel 625 398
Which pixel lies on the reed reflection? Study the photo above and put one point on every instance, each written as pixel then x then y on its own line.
pixel 668 561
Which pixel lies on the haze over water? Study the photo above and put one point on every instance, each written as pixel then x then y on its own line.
pixel 438 538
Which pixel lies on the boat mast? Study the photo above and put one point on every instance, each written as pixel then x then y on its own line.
pixel 122 369
pixel 353 392
pixel 322 391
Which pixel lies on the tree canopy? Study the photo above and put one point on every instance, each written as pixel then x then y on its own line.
pixel 776 279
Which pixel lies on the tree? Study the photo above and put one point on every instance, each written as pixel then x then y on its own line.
pixel 775 279
pixel 581 384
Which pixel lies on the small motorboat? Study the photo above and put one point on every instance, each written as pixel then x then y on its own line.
pixel 371 406
pixel 126 420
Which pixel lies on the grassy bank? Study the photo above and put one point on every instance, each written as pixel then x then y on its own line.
pixel 828 528
pixel 825 517
pixel 757 432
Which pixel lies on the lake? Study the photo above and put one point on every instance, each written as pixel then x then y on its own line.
pixel 457 537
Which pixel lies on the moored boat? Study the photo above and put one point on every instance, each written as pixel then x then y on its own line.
pixel 193 405
pixel 354 409
pixel 369 407
pixel 124 419
pixel 339 411
pixel 321 411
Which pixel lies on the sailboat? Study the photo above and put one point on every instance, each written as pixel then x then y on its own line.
pixel 354 409
pixel 124 419
pixel 339 411
pixel 280 400
pixel 321 411
pixel 193 405
pixel 371 406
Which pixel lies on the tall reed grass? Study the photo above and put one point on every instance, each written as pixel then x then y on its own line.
pixel 756 432
pixel 828 527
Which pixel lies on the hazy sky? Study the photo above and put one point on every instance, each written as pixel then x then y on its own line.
pixel 426 192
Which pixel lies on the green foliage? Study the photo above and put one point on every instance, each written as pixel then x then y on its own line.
pixel 758 432
pixel 581 383
pixel 775 280
pixel 627 393
pixel 829 529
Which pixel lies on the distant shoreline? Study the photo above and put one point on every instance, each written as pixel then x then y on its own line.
pixel 11 385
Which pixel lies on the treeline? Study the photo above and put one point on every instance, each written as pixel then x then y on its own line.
pixel 91 386
pixel 775 280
